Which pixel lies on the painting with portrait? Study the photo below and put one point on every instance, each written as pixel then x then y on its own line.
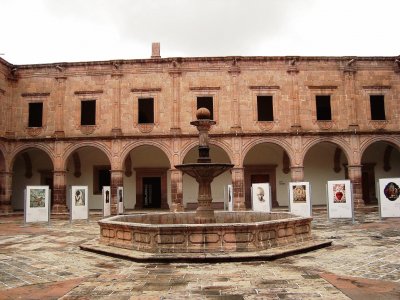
pixel 80 197
pixel 299 193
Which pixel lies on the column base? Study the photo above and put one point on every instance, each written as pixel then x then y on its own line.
pixel 59 209
pixel 176 207
pixel 6 209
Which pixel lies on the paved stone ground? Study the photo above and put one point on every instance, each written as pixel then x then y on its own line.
pixel 44 262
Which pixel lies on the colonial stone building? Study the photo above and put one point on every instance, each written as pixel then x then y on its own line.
pixel 126 123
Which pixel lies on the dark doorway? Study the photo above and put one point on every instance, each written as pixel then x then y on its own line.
pixel 151 192
pixel 368 184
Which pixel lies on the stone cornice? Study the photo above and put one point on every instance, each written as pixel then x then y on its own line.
pixel 264 87
pixel 35 94
pixel 145 90
pixel 376 87
pixel 80 93
pixel 204 88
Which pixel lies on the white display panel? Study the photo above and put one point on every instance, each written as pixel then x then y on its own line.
pixel 261 197
pixel 340 200
pixel 106 201
pixel 120 193
pixel 79 202
pixel 300 198
pixel 389 200
pixel 37 204
pixel 230 198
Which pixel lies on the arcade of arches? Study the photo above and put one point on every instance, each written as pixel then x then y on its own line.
pixel 143 166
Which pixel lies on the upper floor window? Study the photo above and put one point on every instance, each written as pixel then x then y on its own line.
pixel 146 110
pixel 265 110
pixel 35 114
pixel 377 105
pixel 206 102
pixel 88 112
pixel 323 105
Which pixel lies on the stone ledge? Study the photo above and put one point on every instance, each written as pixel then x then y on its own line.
pixel 266 255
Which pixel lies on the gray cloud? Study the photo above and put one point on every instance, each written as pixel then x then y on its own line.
pixel 193 28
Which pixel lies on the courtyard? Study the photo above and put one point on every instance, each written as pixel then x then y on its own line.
pixel 41 261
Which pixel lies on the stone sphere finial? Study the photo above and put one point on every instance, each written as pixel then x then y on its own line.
pixel 203 114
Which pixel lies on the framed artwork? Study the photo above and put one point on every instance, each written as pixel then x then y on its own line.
pixel 120 193
pixel 300 198
pixel 106 201
pixel 261 197
pixel 230 197
pixel 389 197
pixel 79 202
pixel 340 202
pixel 37 206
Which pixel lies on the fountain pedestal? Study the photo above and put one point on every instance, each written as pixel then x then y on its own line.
pixel 204 171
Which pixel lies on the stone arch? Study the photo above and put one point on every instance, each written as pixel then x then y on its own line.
pixel 43 147
pixel 131 146
pixel 286 146
pixel 345 147
pixel 213 142
pixel 98 145
pixel 392 140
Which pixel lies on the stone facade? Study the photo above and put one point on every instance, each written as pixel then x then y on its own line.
pixel 174 84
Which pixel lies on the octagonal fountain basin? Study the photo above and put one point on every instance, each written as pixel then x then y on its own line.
pixel 178 232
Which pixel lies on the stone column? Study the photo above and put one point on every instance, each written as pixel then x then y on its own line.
pixel 117 179
pixel 355 173
pixel 59 192
pixel 176 191
pixel 116 116
pixel 238 189
pixel 297 173
pixel 234 72
pixel 350 99
pixel 175 73
pixel 5 192
pixel 59 110
pixel 294 95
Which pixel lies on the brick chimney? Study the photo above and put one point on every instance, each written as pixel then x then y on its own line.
pixel 155 50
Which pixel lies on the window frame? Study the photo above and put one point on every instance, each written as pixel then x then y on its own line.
pixel 330 107
pixel 371 108
pixel 271 108
pixel 29 114
pixel 95 111
pixel 138 110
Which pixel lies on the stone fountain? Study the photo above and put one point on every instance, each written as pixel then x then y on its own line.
pixel 204 171
pixel 204 235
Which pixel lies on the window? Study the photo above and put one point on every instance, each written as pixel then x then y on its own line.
pixel 101 177
pixel 88 112
pixel 35 114
pixel 146 110
pixel 377 104
pixel 323 104
pixel 206 102
pixel 265 108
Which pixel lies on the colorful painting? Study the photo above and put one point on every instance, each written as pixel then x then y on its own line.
pixel 80 197
pixel 391 191
pixel 339 193
pixel 37 197
pixel 299 193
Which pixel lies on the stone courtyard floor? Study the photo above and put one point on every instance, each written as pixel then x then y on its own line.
pixel 45 262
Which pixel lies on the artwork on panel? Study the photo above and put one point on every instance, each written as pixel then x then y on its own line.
pixel 80 197
pixel 120 193
pixel 300 198
pixel 37 197
pixel 340 203
pixel 261 197
pixel 339 193
pixel 389 200
pixel 299 193
pixel 36 203
pixel 107 201
pixel 230 198
pixel 79 202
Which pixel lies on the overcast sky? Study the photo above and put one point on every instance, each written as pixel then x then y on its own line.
pixel 46 31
